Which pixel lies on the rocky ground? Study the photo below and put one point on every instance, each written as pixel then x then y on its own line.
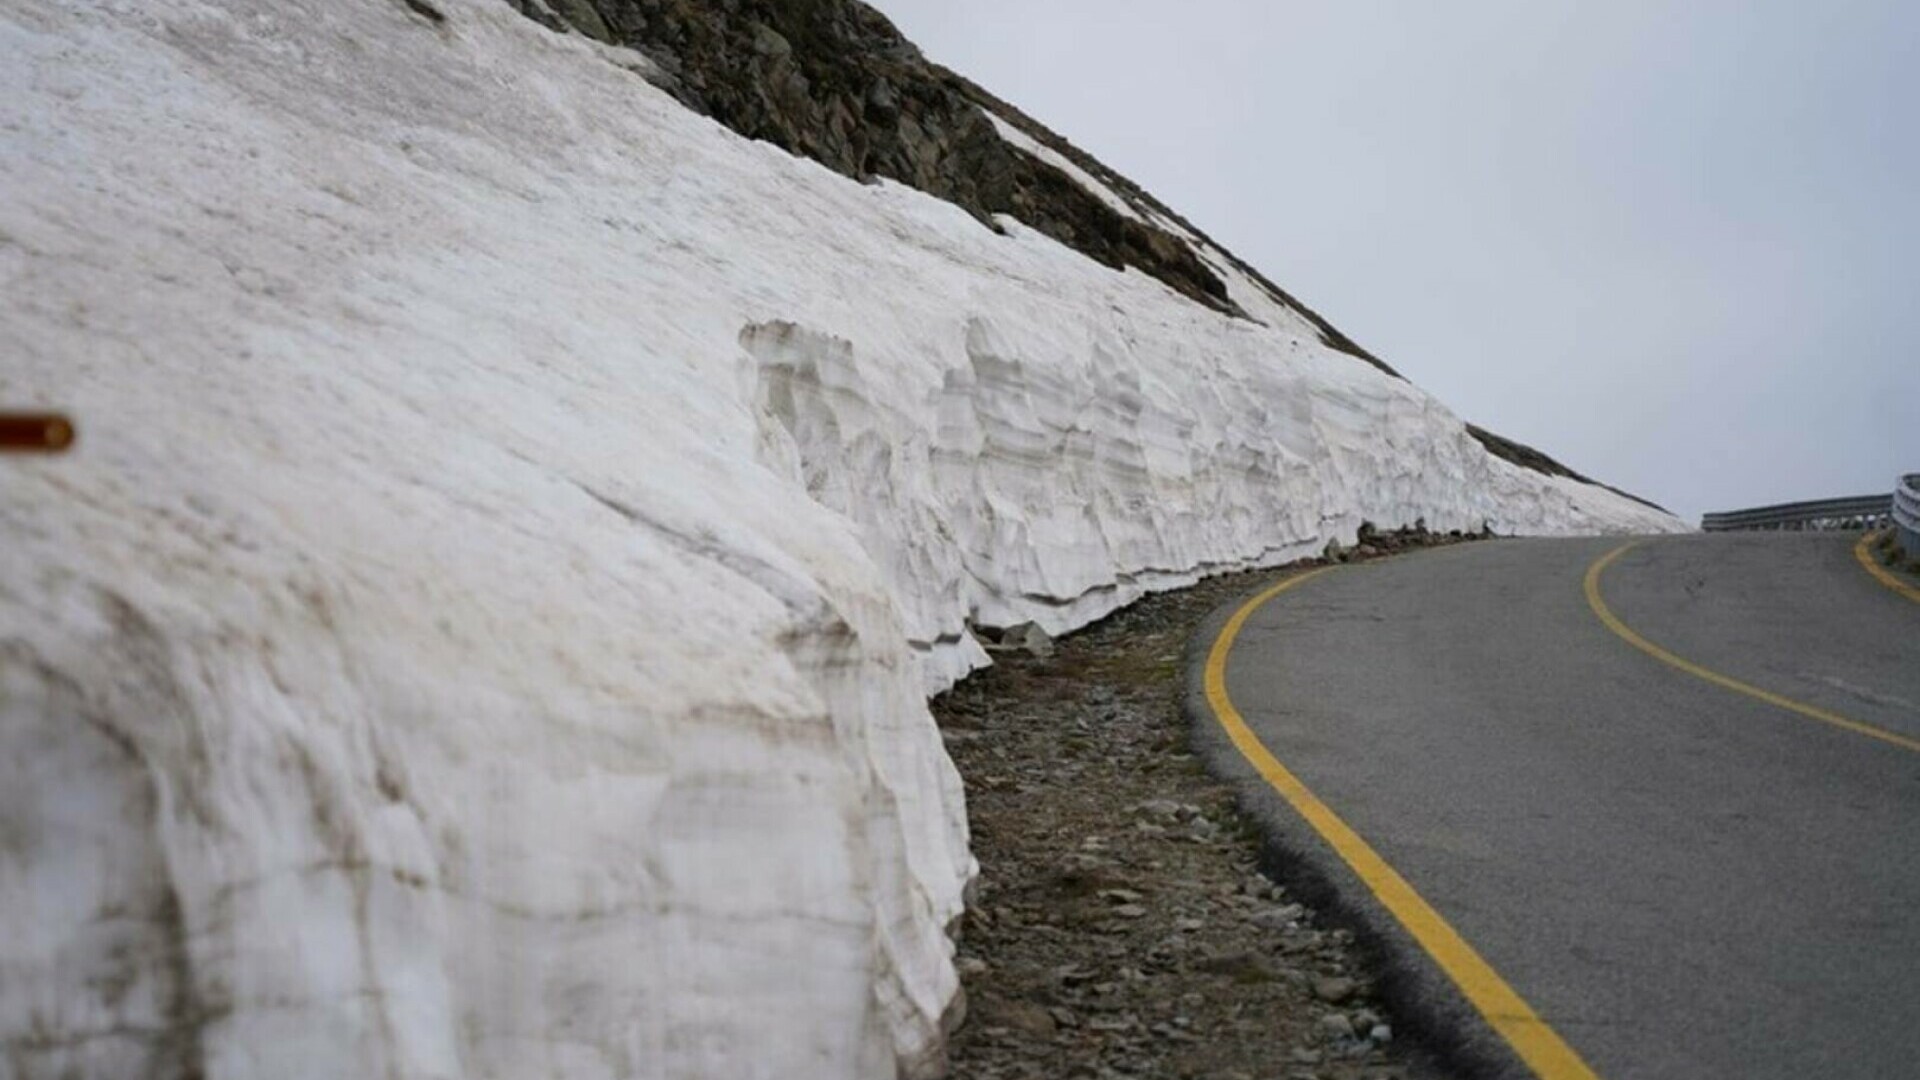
pixel 1123 925
pixel 1886 547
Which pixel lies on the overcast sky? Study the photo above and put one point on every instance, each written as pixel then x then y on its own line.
pixel 1669 243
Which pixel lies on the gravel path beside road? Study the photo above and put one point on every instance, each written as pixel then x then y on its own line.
pixel 1123 925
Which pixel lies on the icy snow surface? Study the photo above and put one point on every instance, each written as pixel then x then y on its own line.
pixel 484 628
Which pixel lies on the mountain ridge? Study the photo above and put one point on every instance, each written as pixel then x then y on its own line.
pixel 837 82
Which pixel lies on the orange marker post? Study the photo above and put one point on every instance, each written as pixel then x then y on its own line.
pixel 34 433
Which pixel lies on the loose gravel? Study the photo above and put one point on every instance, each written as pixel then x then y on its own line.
pixel 1122 925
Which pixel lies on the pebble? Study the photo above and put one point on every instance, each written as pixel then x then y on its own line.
pixel 1336 1025
pixel 1240 966
pixel 1159 809
pixel 1072 974
pixel 1334 989
pixel 1122 928
pixel 1021 1016
pixel 1277 918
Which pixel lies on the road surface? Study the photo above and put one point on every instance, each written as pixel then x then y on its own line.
pixel 1702 864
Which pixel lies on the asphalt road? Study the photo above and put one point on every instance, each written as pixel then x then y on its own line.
pixel 1681 880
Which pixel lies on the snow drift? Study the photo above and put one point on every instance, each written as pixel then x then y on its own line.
pixel 484 628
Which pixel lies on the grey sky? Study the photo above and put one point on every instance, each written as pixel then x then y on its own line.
pixel 1669 243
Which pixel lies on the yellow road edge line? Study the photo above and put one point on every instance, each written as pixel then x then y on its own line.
pixel 1627 634
pixel 1505 1011
pixel 1880 573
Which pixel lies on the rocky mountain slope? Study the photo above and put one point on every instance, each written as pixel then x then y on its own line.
pixel 485 625
pixel 833 80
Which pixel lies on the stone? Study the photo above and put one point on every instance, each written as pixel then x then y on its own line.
pixel 1159 810
pixel 1334 989
pixel 1072 974
pixel 1030 639
pixel 1336 1026
pixel 1022 1016
pixel 770 42
pixel 1244 967
pixel 882 103
pixel 1277 918
pixel 581 15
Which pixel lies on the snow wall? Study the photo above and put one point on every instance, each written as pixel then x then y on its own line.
pixel 484 628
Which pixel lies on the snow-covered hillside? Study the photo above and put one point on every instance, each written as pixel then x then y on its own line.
pixel 484 627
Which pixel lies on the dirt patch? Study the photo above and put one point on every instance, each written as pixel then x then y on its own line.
pixel 1122 925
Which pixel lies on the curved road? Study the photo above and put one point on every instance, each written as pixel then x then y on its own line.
pixel 1680 879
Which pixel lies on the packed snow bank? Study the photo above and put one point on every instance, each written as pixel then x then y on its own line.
pixel 483 629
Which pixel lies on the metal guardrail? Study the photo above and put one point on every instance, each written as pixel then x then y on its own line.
pixel 1906 514
pixel 1857 512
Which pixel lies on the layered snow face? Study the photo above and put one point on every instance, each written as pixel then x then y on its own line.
pixel 484 627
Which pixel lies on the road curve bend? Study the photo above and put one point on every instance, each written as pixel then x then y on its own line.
pixel 1667 797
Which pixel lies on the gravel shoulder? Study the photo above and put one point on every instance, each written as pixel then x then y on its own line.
pixel 1129 920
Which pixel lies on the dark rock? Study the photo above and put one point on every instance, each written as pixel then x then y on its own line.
pixel 768 42
pixel 1244 967
pixel 1022 1016
pixel 581 15
pixel 789 72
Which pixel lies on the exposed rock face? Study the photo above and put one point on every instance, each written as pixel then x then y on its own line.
pixel 1528 458
pixel 837 83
